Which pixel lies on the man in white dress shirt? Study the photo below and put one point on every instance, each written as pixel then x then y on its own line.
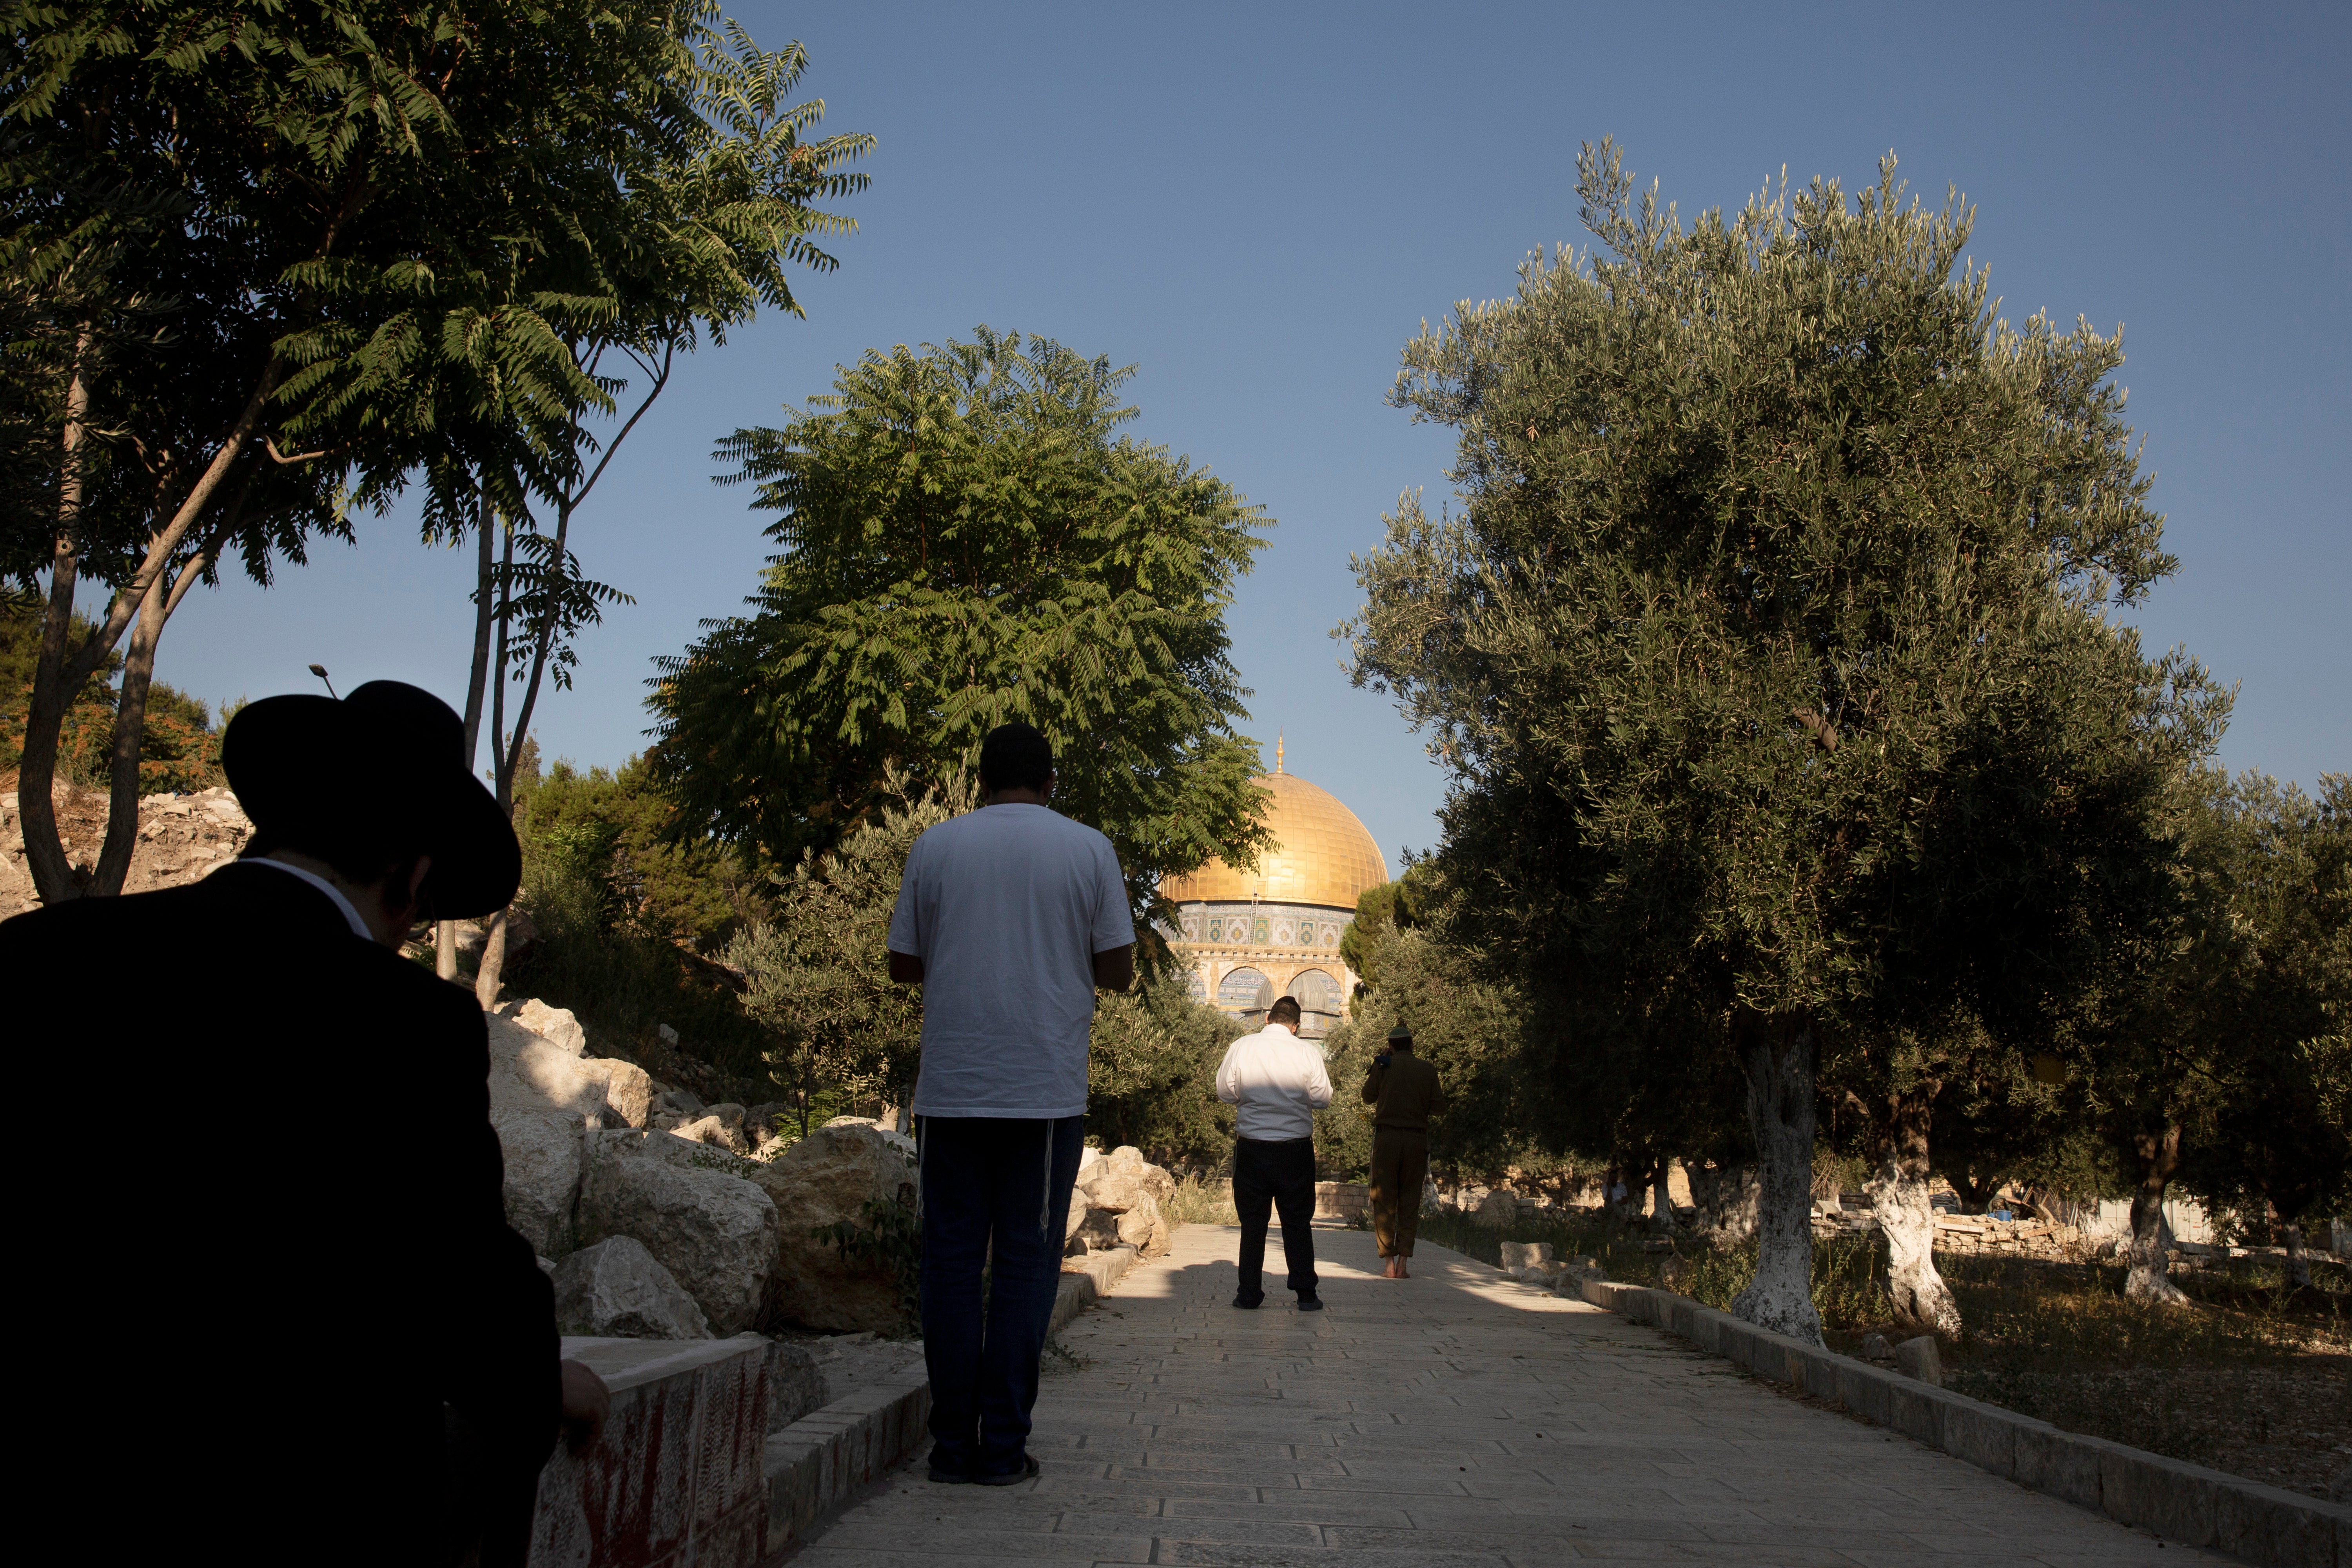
pixel 1278 1082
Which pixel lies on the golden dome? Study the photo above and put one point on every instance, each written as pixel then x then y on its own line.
pixel 1320 855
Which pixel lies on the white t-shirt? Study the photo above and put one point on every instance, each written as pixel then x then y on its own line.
pixel 1277 1080
pixel 1006 907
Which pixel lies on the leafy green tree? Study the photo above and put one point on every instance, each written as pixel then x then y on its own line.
pixel 965 540
pixel 1397 905
pixel 1774 543
pixel 2280 1140
pixel 816 972
pixel 614 829
pixel 1152 1063
pixel 712 219
pixel 263 260
pixel 1464 1023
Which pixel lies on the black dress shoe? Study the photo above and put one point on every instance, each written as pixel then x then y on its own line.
pixel 1028 1471
pixel 1310 1303
pixel 1248 1303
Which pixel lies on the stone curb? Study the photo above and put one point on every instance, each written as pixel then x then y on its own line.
pixel 828 1455
pixel 2177 1501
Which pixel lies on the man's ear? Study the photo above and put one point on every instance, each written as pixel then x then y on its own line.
pixel 416 875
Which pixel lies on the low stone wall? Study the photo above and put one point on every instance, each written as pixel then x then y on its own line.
pixel 688 1476
pixel 1350 1200
pixel 676 1481
pixel 2177 1501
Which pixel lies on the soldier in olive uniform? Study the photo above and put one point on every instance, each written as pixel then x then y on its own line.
pixel 1406 1092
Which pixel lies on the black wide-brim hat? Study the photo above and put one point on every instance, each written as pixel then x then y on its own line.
pixel 301 763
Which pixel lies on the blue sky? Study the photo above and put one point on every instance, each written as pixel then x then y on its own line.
pixel 1259 205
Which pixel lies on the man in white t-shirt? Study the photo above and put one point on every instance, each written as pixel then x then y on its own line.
pixel 1009 917
pixel 1278 1082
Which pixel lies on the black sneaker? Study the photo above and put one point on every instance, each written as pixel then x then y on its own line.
pixel 1028 1471
pixel 1248 1303
pixel 1310 1302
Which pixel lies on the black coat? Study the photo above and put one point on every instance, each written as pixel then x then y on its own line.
pixel 263 1227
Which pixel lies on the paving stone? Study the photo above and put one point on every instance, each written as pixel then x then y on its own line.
pixel 1454 1420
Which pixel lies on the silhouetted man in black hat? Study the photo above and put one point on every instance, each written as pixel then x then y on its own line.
pixel 299 1314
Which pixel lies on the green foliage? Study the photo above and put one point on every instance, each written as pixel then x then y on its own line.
pixel 617 832
pixel 1152 1063
pixel 260 263
pixel 1773 647
pixel 1466 1025
pixel 625 916
pixel 1400 904
pixel 816 970
pixel 965 540
pixel 182 747
pixel 2281 1130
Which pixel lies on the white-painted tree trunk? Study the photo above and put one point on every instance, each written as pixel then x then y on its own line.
pixel 1662 1201
pixel 2298 1262
pixel 1778 1063
pixel 2149 1278
pixel 2159 1155
pixel 1899 1201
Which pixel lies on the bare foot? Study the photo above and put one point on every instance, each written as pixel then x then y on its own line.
pixel 1401 1272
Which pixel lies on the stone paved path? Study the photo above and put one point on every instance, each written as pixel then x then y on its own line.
pixel 1456 1420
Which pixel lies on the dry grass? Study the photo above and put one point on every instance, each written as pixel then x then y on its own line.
pixel 1197 1201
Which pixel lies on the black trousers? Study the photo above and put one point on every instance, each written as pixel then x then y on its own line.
pixel 1269 1176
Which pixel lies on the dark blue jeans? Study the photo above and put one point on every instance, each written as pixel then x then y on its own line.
pixel 995 1195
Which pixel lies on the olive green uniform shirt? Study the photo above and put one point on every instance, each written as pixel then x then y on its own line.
pixel 1407 1092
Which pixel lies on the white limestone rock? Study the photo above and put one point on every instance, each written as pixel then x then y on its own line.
pixel 542 1174
pixel 820 1181
pixel 714 1132
pixel 617 1288
pixel 628 1091
pixel 531 1073
pixel 556 1026
pixel 712 1229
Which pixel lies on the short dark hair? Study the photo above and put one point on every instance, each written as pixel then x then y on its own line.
pixel 362 846
pixel 1015 756
pixel 1284 1011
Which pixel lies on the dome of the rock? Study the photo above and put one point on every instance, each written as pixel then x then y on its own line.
pixel 1246 937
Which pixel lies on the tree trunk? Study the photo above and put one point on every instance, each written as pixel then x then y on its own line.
pixel 2157 1154
pixel 2298 1262
pixel 129 734
pixel 1976 1193
pixel 445 962
pixel 36 807
pixel 1898 1198
pixel 58 680
pixel 1662 1202
pixel 492 973
pixel 1777 1058
pixel 1724 1196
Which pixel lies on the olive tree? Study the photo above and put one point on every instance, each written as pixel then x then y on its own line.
pixel 1774 541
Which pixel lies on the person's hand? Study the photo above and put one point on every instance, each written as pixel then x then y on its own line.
pixel 587 1404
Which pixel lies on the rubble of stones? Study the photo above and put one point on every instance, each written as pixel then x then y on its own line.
pixel 182 837
pixel 659 1216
